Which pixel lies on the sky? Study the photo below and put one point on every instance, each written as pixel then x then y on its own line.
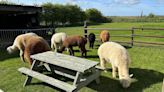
pixel 109 7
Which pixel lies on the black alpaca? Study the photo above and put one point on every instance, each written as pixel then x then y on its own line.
pixel 91 39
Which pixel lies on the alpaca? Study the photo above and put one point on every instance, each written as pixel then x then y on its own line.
pixel 76 40
pixel 19 44
pixel 117 55
pixel 34 45
pixel 91 39
pixel 104 36
pixel 57 40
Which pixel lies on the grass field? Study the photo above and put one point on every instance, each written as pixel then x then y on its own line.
pixel 147 65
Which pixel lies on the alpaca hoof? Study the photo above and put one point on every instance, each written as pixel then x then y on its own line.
pixel 105 71
pixel 99 67
pixel 114 76
pixel 131 75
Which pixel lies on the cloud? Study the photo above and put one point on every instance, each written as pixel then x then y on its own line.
pixel 160 1
pixel 127 2
pixel 72 1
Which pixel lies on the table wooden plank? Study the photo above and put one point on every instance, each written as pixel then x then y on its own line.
pixel 66 61
pixel 52 81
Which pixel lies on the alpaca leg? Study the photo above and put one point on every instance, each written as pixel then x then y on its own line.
pixel 27 56
pixel 114 71
pixel 71 51
pixel 21 54
pixel 55 45
pixel 83 51
pixel 52 46
pixel 90 44
pixel 102 63
pixel 120 73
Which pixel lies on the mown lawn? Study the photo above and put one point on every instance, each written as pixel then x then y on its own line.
pixel 147 65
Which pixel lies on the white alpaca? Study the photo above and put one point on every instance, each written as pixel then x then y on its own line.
pixel 19 44
pixel 117 55
pixel 57 40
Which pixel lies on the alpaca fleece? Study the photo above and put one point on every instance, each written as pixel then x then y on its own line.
pixel 104 36
pixel 76 40
pixel 91 39
pixel 35 45
pixel 57 40
pixel 117 55
pixel 19 44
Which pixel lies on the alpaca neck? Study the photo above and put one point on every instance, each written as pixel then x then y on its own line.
pixel 124 72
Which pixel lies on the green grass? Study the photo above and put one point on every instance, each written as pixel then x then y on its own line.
pixel 147 65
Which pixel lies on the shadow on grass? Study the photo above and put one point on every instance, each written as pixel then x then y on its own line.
pixel 45 84
pixel 4 55
pixel 92 56
pixel 145 79
pixel 79 50
pixel 59 77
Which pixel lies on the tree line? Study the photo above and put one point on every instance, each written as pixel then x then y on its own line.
pixel 58 14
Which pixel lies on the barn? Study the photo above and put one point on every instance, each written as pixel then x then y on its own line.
pixel 18 19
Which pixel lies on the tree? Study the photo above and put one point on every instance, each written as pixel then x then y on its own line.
pixel 151 15
pixel 6 2
pixel 94 15
pixel 75 14
pixel 47 13
pixel 62 14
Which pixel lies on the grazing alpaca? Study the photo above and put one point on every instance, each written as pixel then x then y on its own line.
pixel 35 45
pixel 19 44
pixel 71 41
pixel 91 39
pixel 104 36
pixel 57 40
pixel 117 55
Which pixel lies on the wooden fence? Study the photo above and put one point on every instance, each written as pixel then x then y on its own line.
pixel 7 36
pixel 131 36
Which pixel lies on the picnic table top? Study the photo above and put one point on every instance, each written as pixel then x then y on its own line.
pixel 65 61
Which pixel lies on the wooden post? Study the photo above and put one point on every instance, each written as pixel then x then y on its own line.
pixel 85 30
pixel 132 36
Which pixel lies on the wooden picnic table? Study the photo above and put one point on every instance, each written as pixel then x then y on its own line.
pixel 81 70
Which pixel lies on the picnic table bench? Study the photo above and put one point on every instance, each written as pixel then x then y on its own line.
pixel 82 71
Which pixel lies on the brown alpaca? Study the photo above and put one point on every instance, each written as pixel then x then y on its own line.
pixel 35 45
pixel 19 44
pixel 76 40
pixel 104 36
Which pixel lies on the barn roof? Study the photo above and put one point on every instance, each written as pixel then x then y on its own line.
pixel 10 9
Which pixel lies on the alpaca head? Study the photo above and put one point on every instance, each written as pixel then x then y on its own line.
pixel 125 82
pixel 11 49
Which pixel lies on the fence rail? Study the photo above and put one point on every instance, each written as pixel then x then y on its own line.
pixel 132 35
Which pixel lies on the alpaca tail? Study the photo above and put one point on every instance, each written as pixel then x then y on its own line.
pixel 11 49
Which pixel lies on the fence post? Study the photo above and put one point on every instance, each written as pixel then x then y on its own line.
pixel 85 30
pixel 132 36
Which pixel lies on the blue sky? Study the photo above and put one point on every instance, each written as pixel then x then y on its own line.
pixel 110 7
